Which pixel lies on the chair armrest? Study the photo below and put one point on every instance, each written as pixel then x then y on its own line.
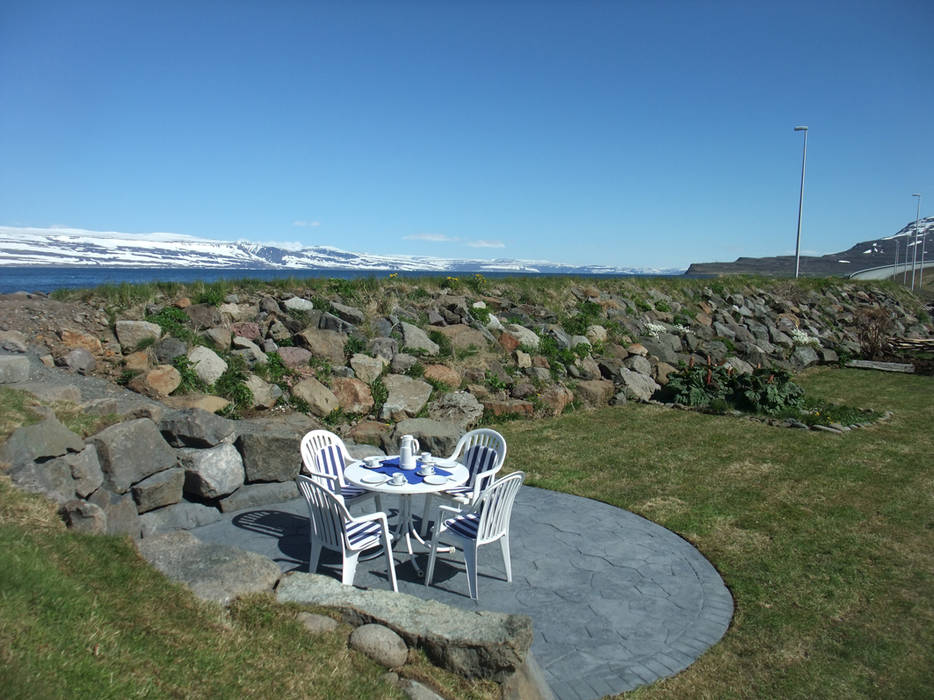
pixel 331 477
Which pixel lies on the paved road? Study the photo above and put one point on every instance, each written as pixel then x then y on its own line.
pixel 616 601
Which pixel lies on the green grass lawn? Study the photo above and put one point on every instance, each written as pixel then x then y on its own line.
pixel 826 542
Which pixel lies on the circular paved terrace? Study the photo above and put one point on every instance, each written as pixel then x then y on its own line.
pixel 616 600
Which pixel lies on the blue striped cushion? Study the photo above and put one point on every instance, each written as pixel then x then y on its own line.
pixel 479 458
pixel 353 492
pixel 464 525
pixel 359 533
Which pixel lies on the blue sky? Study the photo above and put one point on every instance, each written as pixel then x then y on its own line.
pixel 623 133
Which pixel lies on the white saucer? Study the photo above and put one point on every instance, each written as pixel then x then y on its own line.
pixel 436 479
pixel 374 479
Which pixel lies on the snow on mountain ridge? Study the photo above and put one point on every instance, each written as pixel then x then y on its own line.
pixel 79 247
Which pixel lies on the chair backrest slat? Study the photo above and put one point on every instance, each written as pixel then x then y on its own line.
pixel 481 450
pixel 495 507
pixel 326 512
pixel 324 452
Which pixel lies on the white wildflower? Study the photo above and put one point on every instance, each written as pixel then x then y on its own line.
pixel 802 338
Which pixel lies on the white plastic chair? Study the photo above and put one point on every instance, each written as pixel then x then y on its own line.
pixel 324 456
pixel 483 452
pixel 333 527
pixel 485 522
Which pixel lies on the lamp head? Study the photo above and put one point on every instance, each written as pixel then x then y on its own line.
pixel 801 128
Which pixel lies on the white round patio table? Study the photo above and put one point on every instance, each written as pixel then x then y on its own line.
pixel 359 474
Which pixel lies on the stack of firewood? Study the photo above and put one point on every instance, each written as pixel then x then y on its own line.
pixel 911 344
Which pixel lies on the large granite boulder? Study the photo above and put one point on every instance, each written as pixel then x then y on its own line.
pixel 464 337
pixel 47 438
pixel 207 364
pixel 131 333
pixel 352 394
pixel 131 451
pixel 407 396
pixel 473 643
pixel 254 495
pixel 458 407
pixel 324 343
pixel 195 427
pixel 367 368
pixel 437 437
pixel 415 338
pixel 637 386
pixel 120 511
pixel 271 452
pixel 321 400
pixel 178 516
pixel 212 571
pixel 158 490
pixel 213 472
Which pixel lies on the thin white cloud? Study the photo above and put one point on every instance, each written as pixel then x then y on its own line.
pixel 431 237
pixel 486 244
pixel 306 224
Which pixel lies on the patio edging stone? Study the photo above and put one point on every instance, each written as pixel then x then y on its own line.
pixel 475 644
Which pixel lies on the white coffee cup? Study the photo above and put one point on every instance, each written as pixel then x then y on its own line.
pixel 398 478
pixel 426 469
pixel 373 462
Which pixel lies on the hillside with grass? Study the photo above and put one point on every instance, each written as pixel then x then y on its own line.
pixel 824 537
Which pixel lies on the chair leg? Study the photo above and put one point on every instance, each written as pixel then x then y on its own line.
pixel 425 513
pixel 504 545
pixel 349 568
pixel 470 561
pixel 314 554
pixel 387 545
pixel 430 571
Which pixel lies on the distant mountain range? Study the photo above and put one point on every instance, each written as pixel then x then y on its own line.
pixel 64 247
pixel 874 253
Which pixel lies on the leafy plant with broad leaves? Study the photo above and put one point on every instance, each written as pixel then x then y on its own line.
pixel 769 391
pixel 698 385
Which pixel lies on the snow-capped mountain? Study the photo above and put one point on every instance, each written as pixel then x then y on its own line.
pixel 20 246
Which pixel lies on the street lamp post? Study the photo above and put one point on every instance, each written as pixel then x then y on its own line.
pixel 914 257
pixel 924 237
pixel 804 158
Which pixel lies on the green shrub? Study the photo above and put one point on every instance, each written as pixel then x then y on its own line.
pixel 212 294
pixel 445 349
pixel 494 382
pixel 768 391
pixel 481 314
pixel 174 322
pixel 354 345
pixel 232 383
pixel 380 393
pixel 274 370
pixel 191 382
pixel 479 284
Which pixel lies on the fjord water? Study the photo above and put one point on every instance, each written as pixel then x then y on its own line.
pixel 48 279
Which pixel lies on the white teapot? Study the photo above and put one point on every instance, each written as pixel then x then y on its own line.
pixel 408 448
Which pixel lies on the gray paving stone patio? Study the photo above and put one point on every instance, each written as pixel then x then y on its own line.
pixel 616 600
